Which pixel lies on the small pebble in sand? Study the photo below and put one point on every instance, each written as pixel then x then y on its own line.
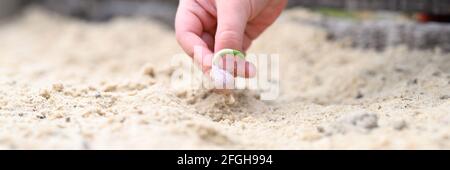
pixel 97 95
pixel 437 74
pixel 148 70
pixel 320 129
pixel 58 87
pixel 45 94
pixel 230 99
pixel 400 125
pixel 363 120
pixel 413 82
pixel 359 95
pixel 41 116
pixel 110 88
pixel 181 94
pixel 445 97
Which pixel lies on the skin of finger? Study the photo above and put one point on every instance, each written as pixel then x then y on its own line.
pixel 237 66
pixel 247 43
pixel 232 16
pixel 205 37
pixel 208 39
pixel 264 12
pixel 188 29
pixel 266 17
pixel 201 54
pixel 232 20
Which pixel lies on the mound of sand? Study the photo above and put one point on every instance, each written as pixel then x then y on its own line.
pixel 69 84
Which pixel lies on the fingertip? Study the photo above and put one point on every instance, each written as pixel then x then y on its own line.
pixel 232 21
pixel 228 39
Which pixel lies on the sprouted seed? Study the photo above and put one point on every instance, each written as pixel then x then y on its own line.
pixel 224 52
pixel 222 78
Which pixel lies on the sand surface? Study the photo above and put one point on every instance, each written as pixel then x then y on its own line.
pixel 69 84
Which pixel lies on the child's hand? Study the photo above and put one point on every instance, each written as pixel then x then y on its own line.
pixel 214 25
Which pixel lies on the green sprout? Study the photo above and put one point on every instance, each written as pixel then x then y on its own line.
pixel 224 52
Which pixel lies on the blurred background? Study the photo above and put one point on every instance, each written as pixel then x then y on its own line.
pixel 368 23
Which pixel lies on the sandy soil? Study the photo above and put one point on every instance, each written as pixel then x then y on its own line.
pixel 67 84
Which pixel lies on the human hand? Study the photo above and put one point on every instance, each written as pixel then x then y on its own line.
pixel 214 25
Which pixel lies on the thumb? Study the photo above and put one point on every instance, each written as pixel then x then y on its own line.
pixel 232 17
